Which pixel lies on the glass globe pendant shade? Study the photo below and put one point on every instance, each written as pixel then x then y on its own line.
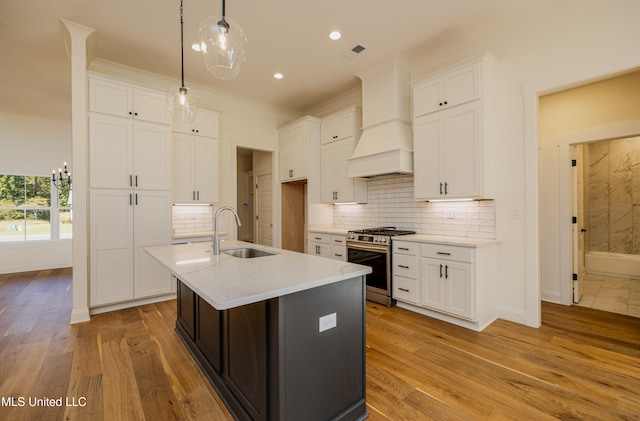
pixel 182 104
pixel 223 46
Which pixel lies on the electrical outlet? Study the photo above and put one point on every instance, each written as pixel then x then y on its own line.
pixel 450 214
pixel 328 322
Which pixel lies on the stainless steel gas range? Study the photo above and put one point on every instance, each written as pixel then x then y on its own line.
pixel 372 247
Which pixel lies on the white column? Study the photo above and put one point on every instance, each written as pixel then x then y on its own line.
pixel 76 40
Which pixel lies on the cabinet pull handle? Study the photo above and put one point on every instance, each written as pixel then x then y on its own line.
pixel 338 241
pixel 193 194
pixel 130 180
pixel 446 272
pixel 198 195
pixel 441 271
pixel 440 188
pixel 130 199
pixel 136 199
pixel 403 248
pixel 403 266
pixel 403 289
pixel 290 173
pixel 337 255
pixel 443 253
pixel 136 181
pixel 317 238
pixel 445 188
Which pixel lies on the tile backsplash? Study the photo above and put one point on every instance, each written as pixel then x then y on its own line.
pixel 188 219
pixel 391 203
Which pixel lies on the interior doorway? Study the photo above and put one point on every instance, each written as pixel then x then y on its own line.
pixel 255 195
pixel 606 246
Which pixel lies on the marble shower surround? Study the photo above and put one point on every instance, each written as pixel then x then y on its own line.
pixel 391 203
pixel 613 195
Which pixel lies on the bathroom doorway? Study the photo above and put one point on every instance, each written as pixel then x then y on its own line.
pixel 606 233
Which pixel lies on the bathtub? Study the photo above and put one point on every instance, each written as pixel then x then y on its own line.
pixel 612 264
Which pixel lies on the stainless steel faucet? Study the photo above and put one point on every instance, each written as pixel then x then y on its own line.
pixel 216 237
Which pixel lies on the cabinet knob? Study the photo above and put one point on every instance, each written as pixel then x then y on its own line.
pixel 130 113
pixel 135 113
pixel 445 103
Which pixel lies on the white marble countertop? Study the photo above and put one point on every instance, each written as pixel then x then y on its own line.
pixel 226 282
pixel 446 239
pixel 334 231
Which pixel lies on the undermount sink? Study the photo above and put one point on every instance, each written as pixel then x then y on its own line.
pixel 246 253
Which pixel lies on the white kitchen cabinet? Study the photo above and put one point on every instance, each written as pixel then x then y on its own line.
pixel 294 140
pixel 455 283
pixel 195 169
pixel 340 134
pixel 205 124
pixel 128 154
pixel 123 99
pixel 447 90
pixel 331 246
pixel 341 125
pixel 123 222
pixel 448 154
pixel 452 133
pixel 336 186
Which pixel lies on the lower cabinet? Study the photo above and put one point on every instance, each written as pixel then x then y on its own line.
pixel 331 246
pixel 266 366
pixel 450 282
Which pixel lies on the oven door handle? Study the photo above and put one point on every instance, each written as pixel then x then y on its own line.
pixel 367 248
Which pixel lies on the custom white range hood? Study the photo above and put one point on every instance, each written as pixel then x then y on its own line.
pixel 386 144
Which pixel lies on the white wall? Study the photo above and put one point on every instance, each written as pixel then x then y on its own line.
pixel 34 146
pixel 548 46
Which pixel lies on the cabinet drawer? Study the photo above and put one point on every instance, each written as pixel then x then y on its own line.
pixel 320 237
pixel 339 240
pixel 405 289
pixel 339 253
pixel 404 247
pixel 405 265
pixel 447 252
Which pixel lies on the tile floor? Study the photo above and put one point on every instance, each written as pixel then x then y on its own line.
pixel 609 293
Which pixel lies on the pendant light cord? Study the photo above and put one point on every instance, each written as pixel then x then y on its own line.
pixel 181 43
pixel 223 8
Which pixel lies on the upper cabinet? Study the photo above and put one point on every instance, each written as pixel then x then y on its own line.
pixel 205 124
pixel 448 90
pixel 340 134
pixel 195 159
pixel 121 99
pixel 452 138
pixel 294 140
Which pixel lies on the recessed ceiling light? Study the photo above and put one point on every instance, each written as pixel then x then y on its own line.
pixel 335 35
pixel 278 75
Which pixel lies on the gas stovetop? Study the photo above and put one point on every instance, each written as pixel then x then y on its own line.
pixel 381 235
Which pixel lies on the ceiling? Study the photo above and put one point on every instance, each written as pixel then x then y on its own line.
pixel 287 36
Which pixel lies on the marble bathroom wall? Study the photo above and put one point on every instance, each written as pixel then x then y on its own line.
pixel 613 195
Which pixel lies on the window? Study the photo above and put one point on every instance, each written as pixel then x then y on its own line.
pixel 29 204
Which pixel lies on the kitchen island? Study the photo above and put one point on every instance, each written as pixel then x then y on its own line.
pixel 280 336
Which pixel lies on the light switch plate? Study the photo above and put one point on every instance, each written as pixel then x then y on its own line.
pixel 328 322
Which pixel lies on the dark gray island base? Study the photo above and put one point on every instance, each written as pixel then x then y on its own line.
pixel 284 358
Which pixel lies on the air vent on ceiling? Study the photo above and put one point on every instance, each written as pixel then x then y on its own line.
pixel 358 49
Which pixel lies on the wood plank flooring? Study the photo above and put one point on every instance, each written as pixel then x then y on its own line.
pixel 129 365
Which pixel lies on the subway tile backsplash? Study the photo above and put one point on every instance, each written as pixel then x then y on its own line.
pixel 391 203
pixel 188 219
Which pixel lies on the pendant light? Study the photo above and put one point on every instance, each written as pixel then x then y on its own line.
pixel 182 103
pixel 223 45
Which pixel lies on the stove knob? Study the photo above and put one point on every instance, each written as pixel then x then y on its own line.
pixel 383 240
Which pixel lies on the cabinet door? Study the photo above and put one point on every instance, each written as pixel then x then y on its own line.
pixel 462 85
pixel 328 172
pixel 207 124
pixel 246 357
pixel 462 151
pixel 319 249
pixel 110 152
pixel 183 171
pixel 209 333
pixel 344 185
pixel 152 156
pixel 433 284
pixel 459 292
pixel 150 106
pixel 112 98
pixel 206 170
pixel 152 227
pixel 293 153
pixel 338 128
pixel 427 97
pixel 112 251
pixel 427 140
pixel 187 309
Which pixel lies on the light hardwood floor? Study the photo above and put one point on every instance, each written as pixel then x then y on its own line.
pixel 129 365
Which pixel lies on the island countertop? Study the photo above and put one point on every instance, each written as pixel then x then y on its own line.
pixel 226 282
